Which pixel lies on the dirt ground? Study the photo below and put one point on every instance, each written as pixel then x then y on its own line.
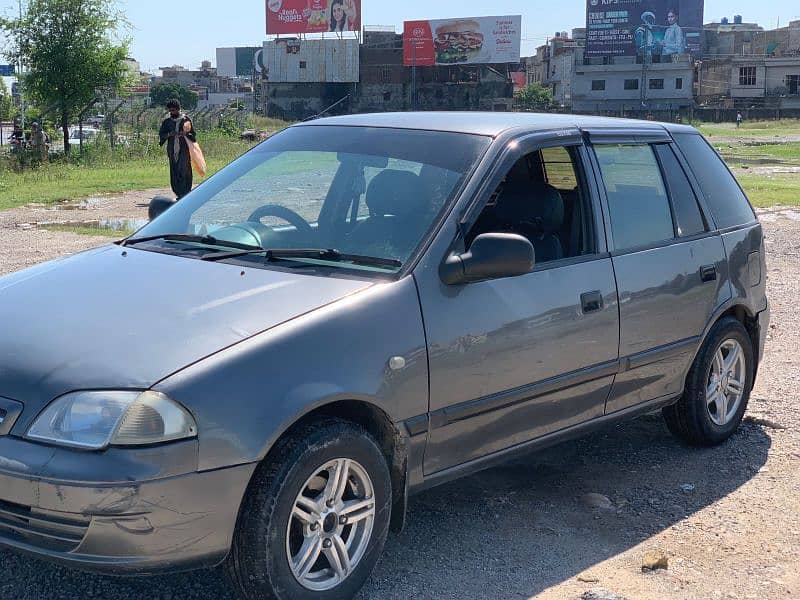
pixel 572 521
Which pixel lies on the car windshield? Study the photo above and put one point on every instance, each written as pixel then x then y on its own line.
pixel 350 191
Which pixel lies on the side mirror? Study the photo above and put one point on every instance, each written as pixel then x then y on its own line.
pixel 491 256
pixel 158 205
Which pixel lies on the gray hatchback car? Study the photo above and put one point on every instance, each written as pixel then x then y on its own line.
pixel 357 309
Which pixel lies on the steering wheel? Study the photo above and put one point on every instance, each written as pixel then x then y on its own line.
pixel 287 214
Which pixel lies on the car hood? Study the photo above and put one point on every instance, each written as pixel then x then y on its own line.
pixel 127 318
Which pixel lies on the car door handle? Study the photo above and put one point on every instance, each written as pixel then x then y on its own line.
pixel 708 273
pixel 592 302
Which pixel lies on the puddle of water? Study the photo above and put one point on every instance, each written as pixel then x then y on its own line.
pixel 83 204
pixel 124 226
pixel 753 160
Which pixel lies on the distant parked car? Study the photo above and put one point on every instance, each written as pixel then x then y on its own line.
pixel 358 309
pixel 96 120
pixel 88 133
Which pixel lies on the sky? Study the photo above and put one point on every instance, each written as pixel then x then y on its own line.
pixel 185 32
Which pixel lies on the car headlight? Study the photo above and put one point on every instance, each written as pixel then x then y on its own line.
pixel 96 420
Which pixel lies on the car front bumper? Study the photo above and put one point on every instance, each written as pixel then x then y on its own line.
pixel 124 512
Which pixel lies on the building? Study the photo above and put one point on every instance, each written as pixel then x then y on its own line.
pixel 745 66
pixel 623 84
pixel 742 66
pixel 608 84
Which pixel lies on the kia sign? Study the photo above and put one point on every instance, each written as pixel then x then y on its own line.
pixel 312 16
pixel 476 40
pixel 663 28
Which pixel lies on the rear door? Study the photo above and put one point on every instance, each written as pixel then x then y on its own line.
pixel 670 267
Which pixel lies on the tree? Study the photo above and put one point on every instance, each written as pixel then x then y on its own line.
pixel 161 92
pixel 71 53
pixel 534 96
pixel 6 102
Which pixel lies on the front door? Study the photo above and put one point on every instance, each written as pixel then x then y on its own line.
pixel 517 358
pixel 670 268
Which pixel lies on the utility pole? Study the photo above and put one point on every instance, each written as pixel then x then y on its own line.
pixel 645 60
pixel 19 78
pixel 413 75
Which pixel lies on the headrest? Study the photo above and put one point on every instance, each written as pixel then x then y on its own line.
pixel 396 193
pixel 539 203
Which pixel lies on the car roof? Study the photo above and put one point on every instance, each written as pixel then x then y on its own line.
pixel 490 123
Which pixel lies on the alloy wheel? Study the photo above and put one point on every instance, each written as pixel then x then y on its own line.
pixel 726 382
pixel 331 524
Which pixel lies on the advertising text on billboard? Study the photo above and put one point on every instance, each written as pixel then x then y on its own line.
pixel 644 27
pixel 475 40
pixel 312 16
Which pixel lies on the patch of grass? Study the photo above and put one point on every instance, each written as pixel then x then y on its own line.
pixel 103 170
pixel 89 230
pixel 788 154
pixel 262 123
pixel 751 128
pixel 765 191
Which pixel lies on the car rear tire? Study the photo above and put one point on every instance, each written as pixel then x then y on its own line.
pixel 717 388
pixel 321 500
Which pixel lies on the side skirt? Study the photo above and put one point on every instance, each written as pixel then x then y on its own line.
pixel 486 462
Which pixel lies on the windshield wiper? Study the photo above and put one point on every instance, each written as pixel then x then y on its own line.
pixel 328 255
pixel 186 237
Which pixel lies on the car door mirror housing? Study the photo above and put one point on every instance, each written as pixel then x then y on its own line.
pixel 158 205
pixel 491 256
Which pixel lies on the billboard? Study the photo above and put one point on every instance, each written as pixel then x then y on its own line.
pixel 6 70
pixel 644 27
pixel 312 16
pixel 477 40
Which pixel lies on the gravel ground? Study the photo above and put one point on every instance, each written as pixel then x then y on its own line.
pixel 571 520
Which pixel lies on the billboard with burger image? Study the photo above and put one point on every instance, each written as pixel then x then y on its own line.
pixel 474 40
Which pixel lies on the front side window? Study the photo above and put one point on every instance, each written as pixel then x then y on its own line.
pixel 637 198
pixel 543 199
pixel 371 192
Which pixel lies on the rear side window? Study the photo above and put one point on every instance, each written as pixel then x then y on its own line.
pixel 688 217
pixel 637 198
pixel 725 198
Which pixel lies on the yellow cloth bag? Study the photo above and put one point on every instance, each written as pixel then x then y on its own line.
pixel 195 153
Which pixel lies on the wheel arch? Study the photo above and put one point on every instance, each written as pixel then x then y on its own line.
pixel 377 423
pixel 749 321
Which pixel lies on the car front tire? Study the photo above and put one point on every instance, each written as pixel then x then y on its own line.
pixel 315 518
pixel 717 387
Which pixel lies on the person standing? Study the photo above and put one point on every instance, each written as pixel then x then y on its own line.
pixel 39 141
pixel 175 130
pixel 739 120
pixel 17 138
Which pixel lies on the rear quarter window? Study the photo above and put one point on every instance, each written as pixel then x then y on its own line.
pixel 725 198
